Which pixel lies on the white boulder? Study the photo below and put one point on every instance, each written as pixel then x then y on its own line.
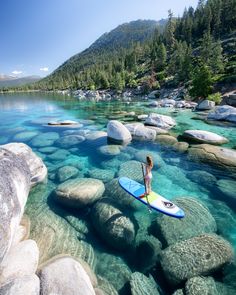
pixel 139 131
pixel 26 285
pixel 14 189
pixel 65 275
pixel 224 113
pixel 161 121
pixel 117 132
pixel 21 260
pixel 202 136
pixel 206 105
pixel 38 170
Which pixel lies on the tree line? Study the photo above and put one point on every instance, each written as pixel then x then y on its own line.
pixel 195 50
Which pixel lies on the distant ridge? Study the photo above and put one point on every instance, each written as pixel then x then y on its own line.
pixel 11 81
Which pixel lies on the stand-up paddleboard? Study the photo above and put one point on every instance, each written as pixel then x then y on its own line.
pixel 153 200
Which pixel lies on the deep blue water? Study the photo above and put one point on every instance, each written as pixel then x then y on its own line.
pixel 31 112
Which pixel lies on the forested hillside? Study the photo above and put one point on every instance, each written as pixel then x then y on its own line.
pixel 197 49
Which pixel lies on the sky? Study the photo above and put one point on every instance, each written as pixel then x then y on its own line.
pixel 37 36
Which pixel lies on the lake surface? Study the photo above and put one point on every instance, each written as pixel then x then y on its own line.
pixel 58 230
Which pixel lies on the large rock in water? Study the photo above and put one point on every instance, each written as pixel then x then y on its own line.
pixel 227 188
pixel 142 285
pixel 202 136
pixel 79 192
pixel 200 255
pixel 217 156
pixel 26 285
pixel 206 105
pixel 139 131
pixel 66 275
pixel 223 113
pixel 38 170
pixel 114 227
pixel 117 132
pixel 21 260
pixel 161 121
pixel 14 189
pixel 201 286
pixel 198 220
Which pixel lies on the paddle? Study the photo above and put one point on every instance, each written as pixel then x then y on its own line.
pixel 146 195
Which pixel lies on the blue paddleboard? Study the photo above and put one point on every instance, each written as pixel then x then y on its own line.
pixel 154 200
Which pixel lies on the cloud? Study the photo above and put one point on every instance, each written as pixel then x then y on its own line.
pixel 17 72
pixel 45 69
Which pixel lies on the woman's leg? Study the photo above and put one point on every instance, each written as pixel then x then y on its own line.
pixel 148 186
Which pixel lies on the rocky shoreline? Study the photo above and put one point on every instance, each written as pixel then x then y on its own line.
pixel 189 251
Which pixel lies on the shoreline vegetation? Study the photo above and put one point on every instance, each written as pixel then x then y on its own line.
pixel 196 51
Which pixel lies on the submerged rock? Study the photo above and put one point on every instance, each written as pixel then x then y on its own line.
pixel 113 226
pixel 198 220
pixel 223 158
pixel 200 255
pixel 52 233
pixel 25 136
pixel 110 150
pixel 119 195
pixel 203 178
pixel 227 187
pixel 66 275
pixel 180 147
pixel 142 285
pixel 117 132
pixel 114 269
pixel 166 140
pixel 200 286
pixel 101 174
pixel 59 155
pixel 24 285
pixel 44 139
pixel 69 141
pixel 79 192
pixel 202 136
pixel 66 172
pixel 157 160
pixel 148 249
pixel 131 169
pixel 106 287
pixel 48 150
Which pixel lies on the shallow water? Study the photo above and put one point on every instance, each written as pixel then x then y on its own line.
pixel 25 116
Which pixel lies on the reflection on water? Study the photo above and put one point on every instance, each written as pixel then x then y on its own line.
pixel 24 117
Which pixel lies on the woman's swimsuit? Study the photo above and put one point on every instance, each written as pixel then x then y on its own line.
pixel 148 176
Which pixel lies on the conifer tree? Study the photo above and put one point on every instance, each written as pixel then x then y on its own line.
pixel 202 82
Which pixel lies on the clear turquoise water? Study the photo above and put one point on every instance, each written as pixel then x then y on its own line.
pixel 63 229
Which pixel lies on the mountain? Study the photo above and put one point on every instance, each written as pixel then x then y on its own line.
pixel 104 49
pixel 11 81
pixel 6 77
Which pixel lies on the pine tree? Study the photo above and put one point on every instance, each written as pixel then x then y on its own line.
pixel 202 82
pixel 170 32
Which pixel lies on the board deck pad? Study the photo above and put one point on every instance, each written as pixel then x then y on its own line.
pixel 154 200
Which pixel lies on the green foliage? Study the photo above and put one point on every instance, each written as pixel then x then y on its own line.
pixel 202 82
pixel 216 97
pixel 143 53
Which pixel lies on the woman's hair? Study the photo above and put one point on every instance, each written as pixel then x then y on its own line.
pixel 150 161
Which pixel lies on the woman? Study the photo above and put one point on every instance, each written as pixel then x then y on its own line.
pixel 148 174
